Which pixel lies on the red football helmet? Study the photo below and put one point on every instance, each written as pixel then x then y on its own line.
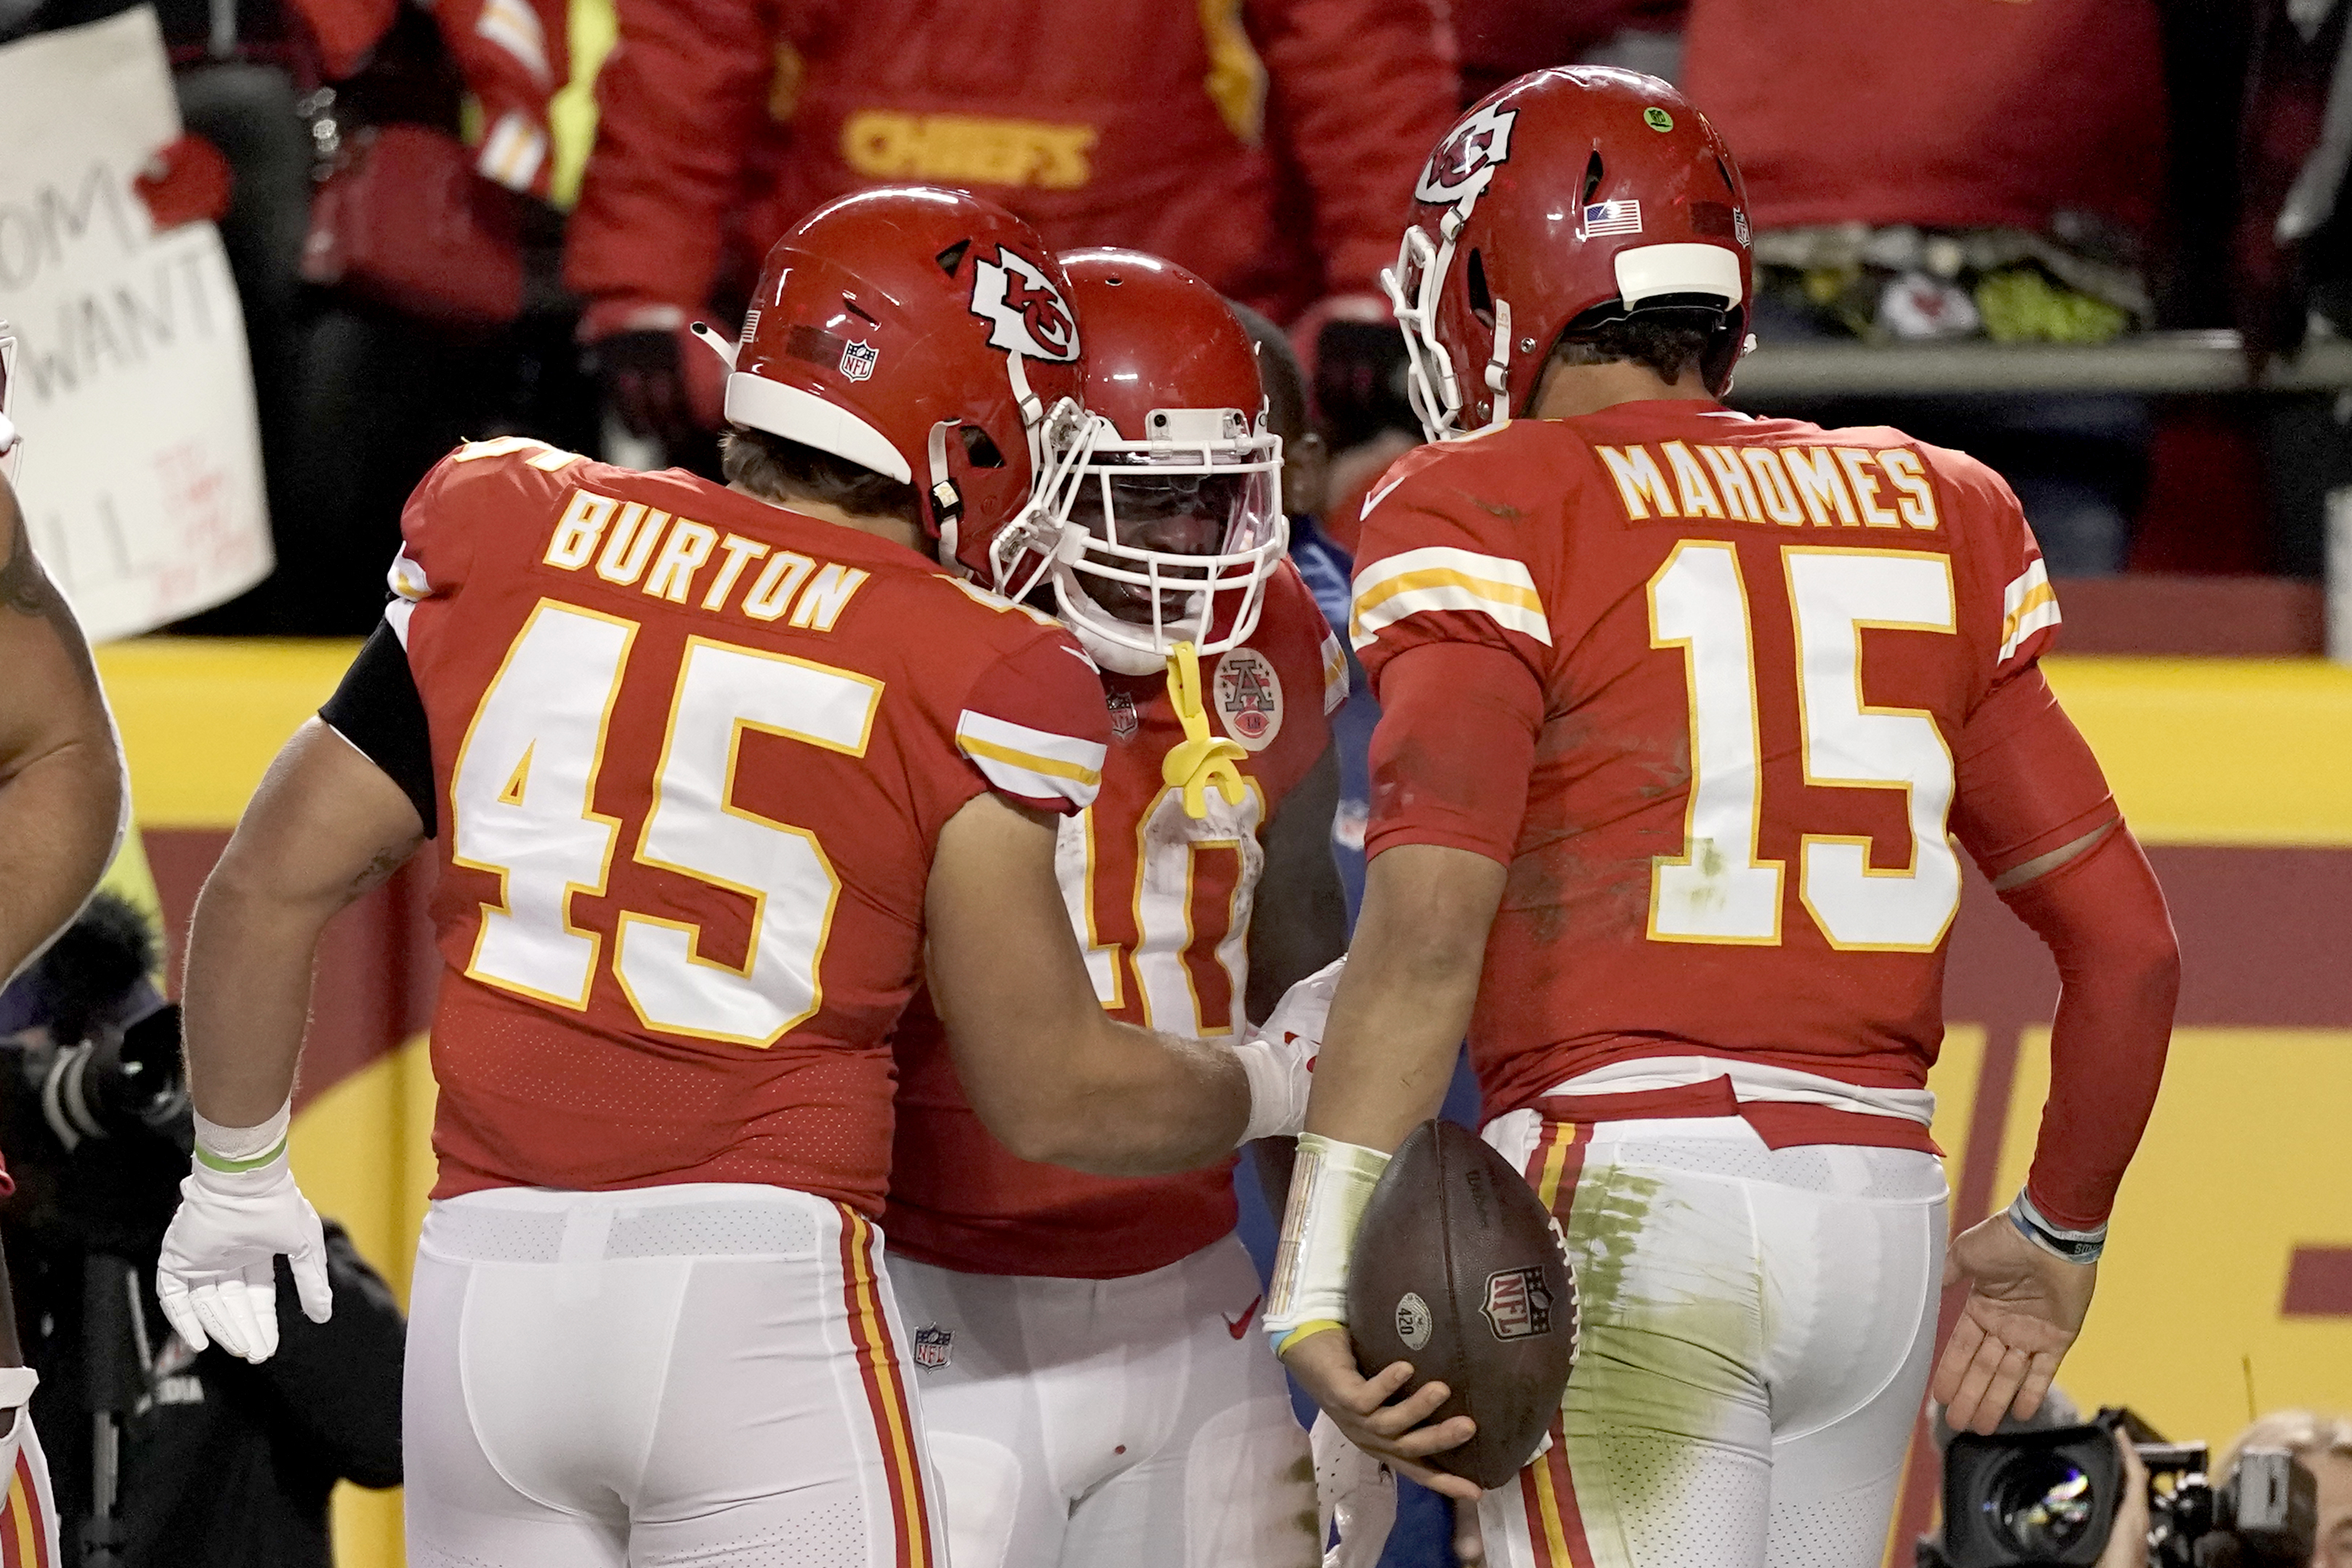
pixel 1568 197
pixel 9 443
pixel 1160 518
pixel 925 334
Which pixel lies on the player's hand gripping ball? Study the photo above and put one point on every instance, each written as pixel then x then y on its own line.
pixel 1458 1270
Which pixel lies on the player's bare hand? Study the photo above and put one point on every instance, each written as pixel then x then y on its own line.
pixel 1325 1366
pixel 2024 1308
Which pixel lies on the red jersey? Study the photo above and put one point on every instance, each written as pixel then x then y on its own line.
pixel 1162 905
pixel 1267 145
pixel 693 767
pixel 1753 645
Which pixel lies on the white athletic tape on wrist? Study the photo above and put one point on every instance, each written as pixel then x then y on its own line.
pixel 230 1150
pixel 1330 1187
pixel 17 1385
pixel 1277 1090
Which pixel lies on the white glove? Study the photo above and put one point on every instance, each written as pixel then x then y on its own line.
pixel 215 1278
pixel 1280 1054
pixel 1354 1491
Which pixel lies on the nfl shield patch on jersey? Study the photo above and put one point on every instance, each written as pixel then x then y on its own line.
pixel 1249 698
pixel 934 1345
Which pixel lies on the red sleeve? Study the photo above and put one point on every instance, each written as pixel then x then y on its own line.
pixel 1360 90
pixel 1035 727
pixel 1454 750
pixel 1438 564
pixel 2104 920
pixel 2027 782
pixel 678 100
pixel 514 56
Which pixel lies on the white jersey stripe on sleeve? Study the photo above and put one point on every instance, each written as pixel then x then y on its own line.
pixel 1037 764
pixel 1335 673
pixel 1442 578
pixel 2027 606
pixel 407 578
pixel 396 616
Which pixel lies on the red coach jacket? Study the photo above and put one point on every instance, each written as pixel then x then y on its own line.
pixel 1268 145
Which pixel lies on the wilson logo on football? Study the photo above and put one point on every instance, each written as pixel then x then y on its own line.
pixel 1517 1304
pixel 1461 168
pixel 1025 313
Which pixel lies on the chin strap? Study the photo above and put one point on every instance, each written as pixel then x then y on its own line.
pixel 1200 759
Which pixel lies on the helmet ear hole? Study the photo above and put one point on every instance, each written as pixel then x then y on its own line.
pixel 952 257
pixel 1482 299
pixel 978 449
pixel 1725 170
pixel 1594 172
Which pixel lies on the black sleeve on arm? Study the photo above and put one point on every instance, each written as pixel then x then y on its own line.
pixel 377 710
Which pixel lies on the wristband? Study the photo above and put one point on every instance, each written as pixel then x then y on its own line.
pixel 1330 1187
pixel 2074 1245
pixel 233 1150
pixel 17 1385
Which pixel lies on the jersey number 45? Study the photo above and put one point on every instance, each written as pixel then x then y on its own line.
pixel 522 796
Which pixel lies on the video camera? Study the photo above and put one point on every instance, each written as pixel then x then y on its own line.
pixel 2049 1499
pixel 94 1113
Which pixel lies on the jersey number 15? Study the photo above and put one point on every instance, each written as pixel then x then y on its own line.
pixel 1717 889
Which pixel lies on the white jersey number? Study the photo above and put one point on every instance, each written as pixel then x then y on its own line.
pixel 521 802
pixel 1717 889
pixel 1173 902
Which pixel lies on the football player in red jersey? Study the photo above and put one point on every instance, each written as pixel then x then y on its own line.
pixel 1678 709
pixel 714 774
pixel 1092 1381
pixel 63 809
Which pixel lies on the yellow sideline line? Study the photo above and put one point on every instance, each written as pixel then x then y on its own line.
pixel 2208 751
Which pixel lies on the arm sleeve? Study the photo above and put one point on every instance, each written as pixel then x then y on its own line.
pixel 376 708
pixel 1454 750
pixel 2027 782
pixel 1035 727
pixel 2103 919
pixel 679 98
pixel 1360 91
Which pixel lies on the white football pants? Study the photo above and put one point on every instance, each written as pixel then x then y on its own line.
pixel 1756 1329
pixel 706 1373
pixel 28 1521
pixel 1135 1423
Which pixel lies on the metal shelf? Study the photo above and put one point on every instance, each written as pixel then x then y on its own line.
pixel 2150 364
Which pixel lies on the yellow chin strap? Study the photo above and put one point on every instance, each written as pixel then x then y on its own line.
pixel 1200 759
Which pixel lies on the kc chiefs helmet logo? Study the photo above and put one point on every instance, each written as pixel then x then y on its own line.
pixel 1025 313
pixel 1465 160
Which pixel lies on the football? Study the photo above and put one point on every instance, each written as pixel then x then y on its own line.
pixel 1457 1268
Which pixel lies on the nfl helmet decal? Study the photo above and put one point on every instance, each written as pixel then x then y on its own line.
pixel 858 360
pixel 1025 313
pixel 1465 160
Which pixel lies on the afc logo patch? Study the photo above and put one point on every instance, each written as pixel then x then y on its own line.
pixel 1248 695
pixel 858 360
pixel 1517 1304
pixel 933 1346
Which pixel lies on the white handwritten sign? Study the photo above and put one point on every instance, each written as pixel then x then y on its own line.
pixel 141 471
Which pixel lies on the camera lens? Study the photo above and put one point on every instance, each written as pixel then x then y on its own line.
pixel 2040 1505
